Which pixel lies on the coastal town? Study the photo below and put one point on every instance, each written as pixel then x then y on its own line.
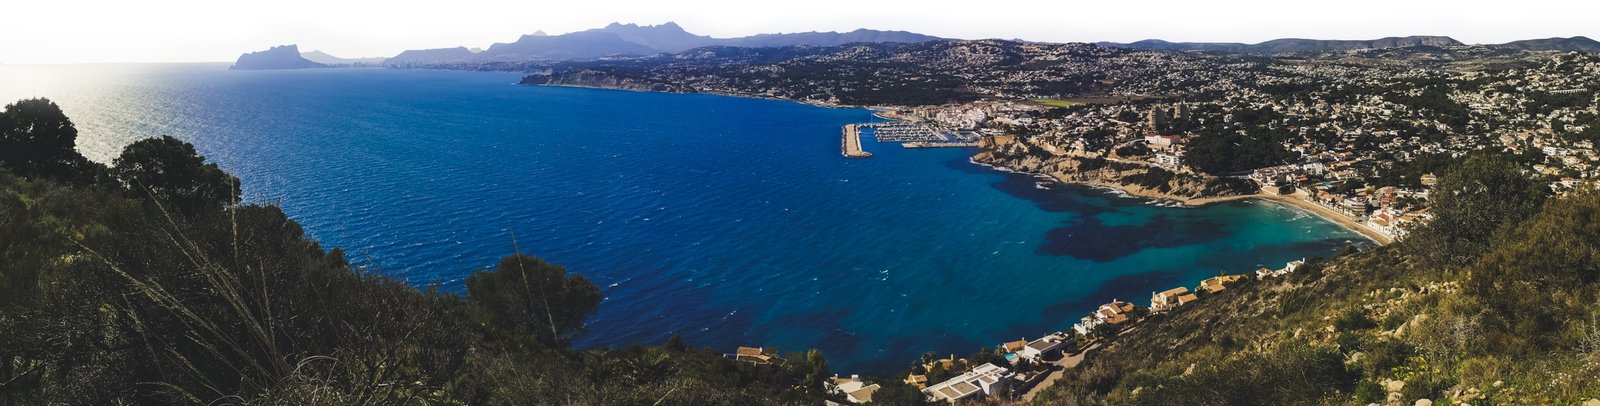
pixel 1357 143
pixel 1019 369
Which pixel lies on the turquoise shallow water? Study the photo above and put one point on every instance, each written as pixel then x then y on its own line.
pixel 731 221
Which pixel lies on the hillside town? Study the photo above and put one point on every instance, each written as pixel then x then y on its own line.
pixel 1354 135
pixel 1017 369
pixel 1360 134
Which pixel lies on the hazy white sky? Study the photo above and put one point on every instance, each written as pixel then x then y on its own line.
pixel 72 31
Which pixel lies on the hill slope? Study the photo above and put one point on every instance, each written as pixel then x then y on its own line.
pixel 1580 44
pixel 169 292
pixel 1291 45
pixel 1449 315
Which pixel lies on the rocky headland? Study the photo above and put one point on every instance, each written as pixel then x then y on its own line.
pixel 1015 154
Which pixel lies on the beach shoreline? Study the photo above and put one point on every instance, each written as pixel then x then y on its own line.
pixel 1343 220
pixel 1293 200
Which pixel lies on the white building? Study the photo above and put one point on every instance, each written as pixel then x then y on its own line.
pixel 1038 348
pixel 1113 313
pixel 985 380
pixel 1169 160
pixel 853 388
pixel 1289 268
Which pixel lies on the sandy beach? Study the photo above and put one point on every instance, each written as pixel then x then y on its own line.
pixel 1298 200
pixel 1344 220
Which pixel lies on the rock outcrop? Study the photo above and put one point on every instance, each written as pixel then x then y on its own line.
pixel 1135 179
pixel 278 57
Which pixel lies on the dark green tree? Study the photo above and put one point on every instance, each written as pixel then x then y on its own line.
pixel 526 296
pixel 37 140
pixel 676 344
pixel 1542 275
pixel 1470 204
pixel 169 171
pixel 816 369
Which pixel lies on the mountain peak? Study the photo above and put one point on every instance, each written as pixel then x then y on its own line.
pixel 278 57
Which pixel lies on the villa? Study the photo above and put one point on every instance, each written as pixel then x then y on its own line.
pixel 1288 268
pixel 1113 313
pixel 853 388
pixel 1217 284
pixel 1013 346
pixel 1171 298
pixel 754 355
pixel 919 381
pixel 1041 347
pixel 985 380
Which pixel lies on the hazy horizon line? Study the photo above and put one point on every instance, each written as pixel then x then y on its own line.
pixel 349 56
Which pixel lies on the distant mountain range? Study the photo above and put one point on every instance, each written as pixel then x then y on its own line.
pixel 1294 45
pixel 1580 44
pixel 635 40
pixel 324 58
pixel 278 57
pixel 624 40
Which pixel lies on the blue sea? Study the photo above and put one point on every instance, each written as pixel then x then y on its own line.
pixel 731 221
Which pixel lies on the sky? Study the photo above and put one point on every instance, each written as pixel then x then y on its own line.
pixel 97 31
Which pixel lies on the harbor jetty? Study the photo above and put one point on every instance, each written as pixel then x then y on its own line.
pixel 851 142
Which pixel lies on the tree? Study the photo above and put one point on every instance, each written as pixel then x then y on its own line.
pixel 1229 152
pixel 170 172
pixel 676 344
pixel 1541 275
pixel 1471 203
pixel 816 368
pixel 526 296
pixel 37 141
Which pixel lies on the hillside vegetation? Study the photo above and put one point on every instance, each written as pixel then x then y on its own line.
pixel 147 282
pixel 1495 302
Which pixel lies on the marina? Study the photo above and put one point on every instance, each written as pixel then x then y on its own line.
pixel 905 132
pixel 909 135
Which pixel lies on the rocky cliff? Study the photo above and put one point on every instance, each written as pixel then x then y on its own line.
pixel 1137 180
pixel 597 79
pixel 278 57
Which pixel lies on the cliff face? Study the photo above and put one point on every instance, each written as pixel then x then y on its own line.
pixel 278 57
pixel 597 79
pixel 1138 180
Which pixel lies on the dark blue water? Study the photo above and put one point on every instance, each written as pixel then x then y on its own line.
pixel 731 221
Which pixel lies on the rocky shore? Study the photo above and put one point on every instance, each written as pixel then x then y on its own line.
pixel 1145 181
pixel 1010 154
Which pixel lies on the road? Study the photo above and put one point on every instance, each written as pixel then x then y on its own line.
pixel 1063 364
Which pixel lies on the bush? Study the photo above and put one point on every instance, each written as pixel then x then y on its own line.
pixel 1353 319
pixel 1369 392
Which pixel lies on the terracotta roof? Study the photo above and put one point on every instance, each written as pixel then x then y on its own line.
pixel 1013 346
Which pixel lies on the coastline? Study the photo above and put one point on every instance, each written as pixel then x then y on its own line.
pixel 1342 220
pixel 816 103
